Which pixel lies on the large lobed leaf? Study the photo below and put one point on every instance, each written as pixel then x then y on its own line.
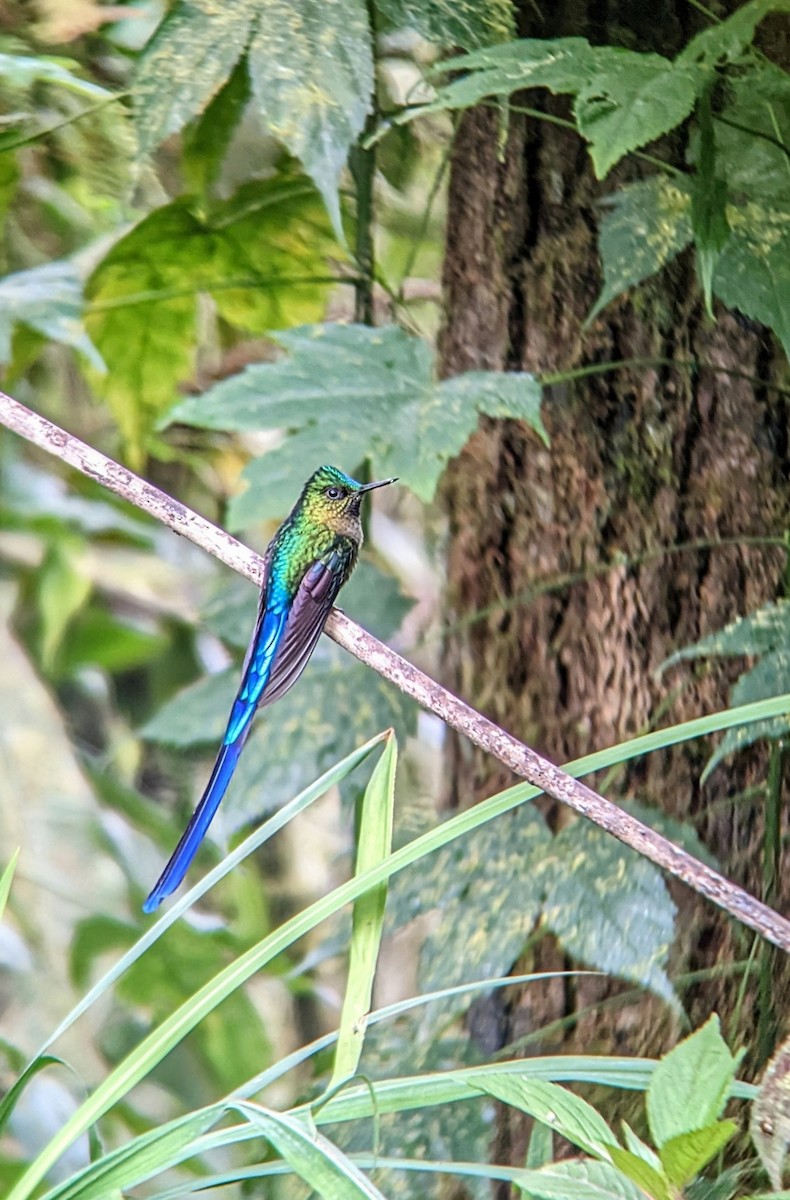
pixel 310 68
pixel 261 256
pixel 350 394
pixel 609 908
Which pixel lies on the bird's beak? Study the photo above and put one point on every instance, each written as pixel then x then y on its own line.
pixel 368 487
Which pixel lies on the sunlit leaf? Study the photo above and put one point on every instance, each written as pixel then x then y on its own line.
pixel 690 1085
pixel 21 71
pixel 684 1155
pixel 259 254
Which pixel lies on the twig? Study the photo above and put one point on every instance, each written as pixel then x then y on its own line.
pixel 426 691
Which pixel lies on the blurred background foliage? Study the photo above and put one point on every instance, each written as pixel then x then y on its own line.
pixel 180 241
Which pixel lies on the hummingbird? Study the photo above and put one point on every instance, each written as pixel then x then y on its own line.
pixel 307 562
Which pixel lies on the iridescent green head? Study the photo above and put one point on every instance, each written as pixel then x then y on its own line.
pixel 332 499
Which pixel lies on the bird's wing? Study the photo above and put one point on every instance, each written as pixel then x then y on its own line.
pixel 306 618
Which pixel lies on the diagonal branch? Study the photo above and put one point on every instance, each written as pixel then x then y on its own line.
pixel 426 691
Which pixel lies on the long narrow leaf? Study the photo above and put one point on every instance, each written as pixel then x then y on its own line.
pixel 5 881
pixel 374 844
pixel 327 1170
pixel 163 1039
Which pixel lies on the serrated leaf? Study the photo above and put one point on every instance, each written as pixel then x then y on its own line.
pixel 766 629
pixel 311 68
pixel 725 41
pixel 632 100
pixel 684 1156
pixel 269 240
pixel 557 1107
pixel 186 62
pixel 690 1085
pixel 645 226
pixel 48 299
pixel 609 907
pixel 468 24
pixel 350 394
pixel 769 677
pixel 769 1122
pixel 487 895
pixel 753 273
pixel 559 64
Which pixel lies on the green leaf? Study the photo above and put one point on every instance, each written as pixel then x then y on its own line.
pixel 326 1169
pixel 468 24
pixel 259 254
pixel 753 273
pixel 557 1107
pixel 769 677
pixel 22 71
pixel 766 629
pixel 311 69
pixel 578 1179
pixel 684 1156
pixel 11 1096
pixel 609 907
pixel 758 101
pixel 62 587
pixel 765 633
pixel 206 139
pixel 650 1179
pixel 559 64
pixel 5 880
pixel 185 64
pixel 636 1146
pixel 350 394
pixel 708 203
pixel 645 226
pixel 374 843
pixel 725 41
pixel 632 100
pixel 48 299
pixel 690 1085
pixel 487 895
pixel 624 99
pixel 96 637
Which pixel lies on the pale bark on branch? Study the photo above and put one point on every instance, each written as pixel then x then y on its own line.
pixel 426 691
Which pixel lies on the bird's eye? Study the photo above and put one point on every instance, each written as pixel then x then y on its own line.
pixel 335 493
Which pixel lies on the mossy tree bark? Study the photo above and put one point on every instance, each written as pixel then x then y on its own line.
pixel 642 460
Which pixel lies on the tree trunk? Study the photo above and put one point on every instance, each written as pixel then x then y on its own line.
pixel 643 461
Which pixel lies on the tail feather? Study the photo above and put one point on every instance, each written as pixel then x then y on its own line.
pixel 199 822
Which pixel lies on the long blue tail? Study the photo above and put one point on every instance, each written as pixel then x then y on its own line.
pixel 199 822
